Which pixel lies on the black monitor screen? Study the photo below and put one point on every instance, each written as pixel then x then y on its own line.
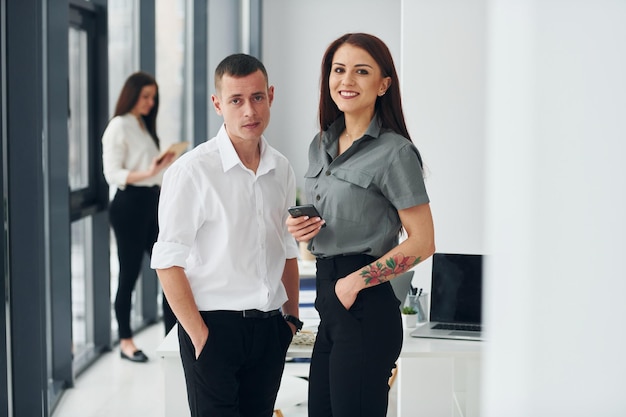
pixel 456 294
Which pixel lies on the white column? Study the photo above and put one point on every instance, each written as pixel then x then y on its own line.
pixel 556 207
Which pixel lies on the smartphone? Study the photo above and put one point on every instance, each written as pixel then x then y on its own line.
pixel 305 210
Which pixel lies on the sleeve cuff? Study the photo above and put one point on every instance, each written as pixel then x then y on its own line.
pixel 117 178
pixel 292 250
pixel 167 254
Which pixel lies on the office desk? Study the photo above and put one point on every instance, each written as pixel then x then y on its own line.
pixel 175 390
pixel 436 378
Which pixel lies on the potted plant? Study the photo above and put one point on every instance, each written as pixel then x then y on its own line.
pixel 409 317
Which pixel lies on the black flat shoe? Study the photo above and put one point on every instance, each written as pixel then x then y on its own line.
pixel 138 356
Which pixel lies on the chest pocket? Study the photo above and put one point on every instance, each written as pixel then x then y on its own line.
pixel 351 194
pixel 361 179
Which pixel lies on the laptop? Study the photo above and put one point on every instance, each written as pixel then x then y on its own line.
pixel 456 298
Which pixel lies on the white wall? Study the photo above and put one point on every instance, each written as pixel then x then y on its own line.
pixel 295 36
pixel 556 209
pixel 531 172
pixel 443 85
pixel 439 51
pixel 222 17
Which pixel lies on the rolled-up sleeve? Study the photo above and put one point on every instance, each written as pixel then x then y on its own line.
pixel 403 182
pixel 168 254
pixel 180 217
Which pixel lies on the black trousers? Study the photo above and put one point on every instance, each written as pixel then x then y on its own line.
pixel 238 372
pixel 133 217
pixel 356 349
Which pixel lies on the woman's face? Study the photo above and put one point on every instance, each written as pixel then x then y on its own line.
pixel 145 102
pixel 355 80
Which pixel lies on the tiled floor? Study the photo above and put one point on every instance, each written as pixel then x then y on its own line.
pixel 113 387
pixel 116 387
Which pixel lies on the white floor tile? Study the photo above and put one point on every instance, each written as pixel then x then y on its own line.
pixel 116 387
pixel 113 387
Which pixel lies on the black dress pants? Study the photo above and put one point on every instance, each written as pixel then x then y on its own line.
pixel 356 349
pixel 133 217
pixel 238 372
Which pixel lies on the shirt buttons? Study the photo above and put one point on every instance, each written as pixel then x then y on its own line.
pixel 328 173
pixel 317 198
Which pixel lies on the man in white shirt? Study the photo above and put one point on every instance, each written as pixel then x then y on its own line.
pixel 224 256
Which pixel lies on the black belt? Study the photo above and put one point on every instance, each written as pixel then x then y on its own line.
pixel 248 314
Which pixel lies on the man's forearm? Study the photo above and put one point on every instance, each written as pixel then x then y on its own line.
pixel 291 281
pixel 180 298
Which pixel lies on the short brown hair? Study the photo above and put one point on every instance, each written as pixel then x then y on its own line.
pixel 238 65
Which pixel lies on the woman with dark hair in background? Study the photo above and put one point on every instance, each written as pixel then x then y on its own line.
pixel 365 178
pixel 130 154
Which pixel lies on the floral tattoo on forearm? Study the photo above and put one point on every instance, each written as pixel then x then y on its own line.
pixel 377 273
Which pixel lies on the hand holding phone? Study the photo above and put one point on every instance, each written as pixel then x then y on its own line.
pixel 305 210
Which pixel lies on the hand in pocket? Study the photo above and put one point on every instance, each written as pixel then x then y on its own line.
pixel 344 293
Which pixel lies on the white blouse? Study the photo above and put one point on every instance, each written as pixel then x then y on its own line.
pixel 127 147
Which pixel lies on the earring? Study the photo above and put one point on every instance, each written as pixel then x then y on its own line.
pixel 382 94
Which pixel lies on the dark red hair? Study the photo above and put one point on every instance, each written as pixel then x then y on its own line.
pixel 130 95
pixel 388 107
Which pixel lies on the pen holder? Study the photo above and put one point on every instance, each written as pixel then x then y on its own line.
pixel 420 304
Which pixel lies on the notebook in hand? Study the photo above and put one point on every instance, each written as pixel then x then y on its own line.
pixel 456 298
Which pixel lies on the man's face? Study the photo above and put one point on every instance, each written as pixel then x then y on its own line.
pixel 244 103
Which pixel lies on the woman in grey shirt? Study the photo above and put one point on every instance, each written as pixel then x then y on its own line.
pixel 365 178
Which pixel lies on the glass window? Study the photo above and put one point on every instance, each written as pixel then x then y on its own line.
pixel 79 182
pixel 78 121
pixel 82 293
pixel 123 18
pixel 170 68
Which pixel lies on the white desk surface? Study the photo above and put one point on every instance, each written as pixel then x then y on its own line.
pixel 412 347
pixel 307 269
pixel 169 346
pixel 421 347
pixel 452 366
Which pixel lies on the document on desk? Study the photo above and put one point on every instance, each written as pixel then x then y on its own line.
pixel 304 338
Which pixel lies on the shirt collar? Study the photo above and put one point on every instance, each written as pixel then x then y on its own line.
pixel 373 130
pixel 331 136
pixel 229 156
pixel 335 129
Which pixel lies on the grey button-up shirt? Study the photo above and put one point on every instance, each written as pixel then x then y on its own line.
pixel 359 192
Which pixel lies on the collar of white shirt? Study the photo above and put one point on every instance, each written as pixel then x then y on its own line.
pixel 229 156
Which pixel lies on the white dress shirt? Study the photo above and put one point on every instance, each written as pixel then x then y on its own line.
pixel 127 147
pixel 225 225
